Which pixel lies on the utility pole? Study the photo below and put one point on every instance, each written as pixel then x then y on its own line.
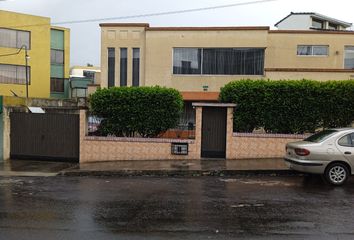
pixel 26 59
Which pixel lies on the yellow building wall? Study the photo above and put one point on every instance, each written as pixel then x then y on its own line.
pixel 39 54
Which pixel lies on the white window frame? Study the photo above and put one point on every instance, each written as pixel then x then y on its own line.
pixel 312 50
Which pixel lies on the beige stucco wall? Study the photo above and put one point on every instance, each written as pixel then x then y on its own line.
pixel 122 37
pixel 159 56
pixel 281 53
pixel 282 50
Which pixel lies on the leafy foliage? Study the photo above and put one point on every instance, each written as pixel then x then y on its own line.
pixel 147 111
pixel 290 106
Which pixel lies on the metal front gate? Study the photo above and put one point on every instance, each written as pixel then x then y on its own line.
pixel 214 132
pixel 44 136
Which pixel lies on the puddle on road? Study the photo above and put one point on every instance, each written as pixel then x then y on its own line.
pixel 5 182
pixel 270 183
pixel 241 205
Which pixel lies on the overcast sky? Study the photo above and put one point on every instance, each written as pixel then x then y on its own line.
pixel 85 37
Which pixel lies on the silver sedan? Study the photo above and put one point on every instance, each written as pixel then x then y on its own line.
pixel 329 152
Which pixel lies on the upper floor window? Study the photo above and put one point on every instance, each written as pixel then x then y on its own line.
pixel 187 61
pixel 332 26
pixel 312 50
pixel 316 23
pixel 56 56
pixel 11 38
pixel 349 57
pixel 14 74
pixel 218 61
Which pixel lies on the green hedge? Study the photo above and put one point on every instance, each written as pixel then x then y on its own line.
pixel 290 106
pixel 126 111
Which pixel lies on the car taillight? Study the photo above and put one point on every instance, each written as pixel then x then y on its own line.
pixel 302 151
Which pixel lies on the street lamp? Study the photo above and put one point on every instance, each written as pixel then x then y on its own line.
pixel 26 60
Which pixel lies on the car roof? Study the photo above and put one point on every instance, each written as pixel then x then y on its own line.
pixel 342 129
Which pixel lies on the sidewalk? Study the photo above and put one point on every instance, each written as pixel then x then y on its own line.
pixel 210 167
pixel 180 168
pixel 29 168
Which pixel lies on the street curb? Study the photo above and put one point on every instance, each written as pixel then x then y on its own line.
pixel 179 173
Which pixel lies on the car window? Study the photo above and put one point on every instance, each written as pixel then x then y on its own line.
pixel 346 141
pixel 320 136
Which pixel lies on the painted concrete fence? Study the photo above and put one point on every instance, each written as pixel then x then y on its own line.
pixel 238 145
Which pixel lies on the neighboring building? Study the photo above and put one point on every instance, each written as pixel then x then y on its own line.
pixel 47 55
pixel 198 61
pixel 311 20
pixel 81 78
pixel 59 62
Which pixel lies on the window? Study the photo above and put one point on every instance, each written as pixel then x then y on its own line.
pixel 233 61
pixel 14 74
pixel 89 74
pixel 347 140
pixel 14 38
pixel 317 23
pixel 332 26
pixel 320 136
pixel 123 66
pixel 111 66
pixel 312 50
pixel 56 84
pixel 218 61
pixel 56 56
pixel 349 57
pixel 136 66
pixel 187 61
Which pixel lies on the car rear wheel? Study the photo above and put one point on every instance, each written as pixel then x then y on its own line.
pixel 337 174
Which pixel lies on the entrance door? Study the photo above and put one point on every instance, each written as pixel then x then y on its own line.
pixel 214 132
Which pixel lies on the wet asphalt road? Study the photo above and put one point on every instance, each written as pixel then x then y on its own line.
pixel 257 207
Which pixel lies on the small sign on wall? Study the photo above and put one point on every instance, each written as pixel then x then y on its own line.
pixel 179 148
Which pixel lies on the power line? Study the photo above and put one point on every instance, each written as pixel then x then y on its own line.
pixel 153 14
pixel 166 13
pixel 11 54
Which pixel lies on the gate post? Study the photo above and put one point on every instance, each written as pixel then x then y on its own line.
pixel 6 132
pixel 229 131
pixel 198 130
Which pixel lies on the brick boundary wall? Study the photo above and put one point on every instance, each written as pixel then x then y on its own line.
pixel 239 145
pixel 99 149
pixel 251 145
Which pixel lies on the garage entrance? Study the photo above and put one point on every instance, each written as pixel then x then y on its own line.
pixel 46 136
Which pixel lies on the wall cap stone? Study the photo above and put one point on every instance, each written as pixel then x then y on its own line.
pixel 131 139
pixel 270 135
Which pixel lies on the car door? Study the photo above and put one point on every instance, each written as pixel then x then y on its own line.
pixel 346 146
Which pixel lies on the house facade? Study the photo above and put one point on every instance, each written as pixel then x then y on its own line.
pixel 27 40
pixel 198 61
pixel 311 21
pixel 81 79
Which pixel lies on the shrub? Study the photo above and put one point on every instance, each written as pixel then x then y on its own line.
pixel 147 111
pixel 290 106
